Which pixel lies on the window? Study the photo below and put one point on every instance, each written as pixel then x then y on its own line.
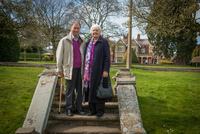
pixel 134 48
pixel 120 49
pixel 143 50
pixel 119 59
pixel 151 49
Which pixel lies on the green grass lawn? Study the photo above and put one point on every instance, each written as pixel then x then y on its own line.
pixel 169 101
pixel 17 86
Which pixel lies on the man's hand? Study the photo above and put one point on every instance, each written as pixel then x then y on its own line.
pixel 60 74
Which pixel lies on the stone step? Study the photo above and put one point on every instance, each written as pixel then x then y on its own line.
pixel 110 107
pixel 57 96
pixel 109 123
pixel 108 119
pixel 63 129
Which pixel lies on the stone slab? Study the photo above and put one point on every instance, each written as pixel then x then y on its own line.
pixel 40 106
pixel 129 112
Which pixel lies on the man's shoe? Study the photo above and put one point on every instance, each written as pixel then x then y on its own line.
pixel 69 113
pixel 99 115
pixel 79 112
pixel 91 114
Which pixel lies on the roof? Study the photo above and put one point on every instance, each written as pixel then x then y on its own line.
pixel 136 42
pixel 50 54
pixel 122 41
pixel 144 42
pixel 139 43
pixel 196 59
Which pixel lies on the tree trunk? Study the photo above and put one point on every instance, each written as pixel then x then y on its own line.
pixel 24 53
pixel 54 50
pixel 180 60
pixel 40 54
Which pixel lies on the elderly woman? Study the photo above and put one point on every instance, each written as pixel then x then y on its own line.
pixel 97 65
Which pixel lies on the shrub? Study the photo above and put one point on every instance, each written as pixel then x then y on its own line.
pixel 165 62
pixel 134 57
pixel 194 54
pixel 46 58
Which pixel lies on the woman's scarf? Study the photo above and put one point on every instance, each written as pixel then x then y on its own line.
pixel 87 70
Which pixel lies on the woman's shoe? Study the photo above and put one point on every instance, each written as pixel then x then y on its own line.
pixel 99 115
pixel 91 114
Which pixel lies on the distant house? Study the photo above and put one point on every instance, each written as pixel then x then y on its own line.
pixel 142 48
pixel 112 47
pixel 120 49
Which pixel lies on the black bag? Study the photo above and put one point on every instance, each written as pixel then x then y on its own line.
pixel 104 91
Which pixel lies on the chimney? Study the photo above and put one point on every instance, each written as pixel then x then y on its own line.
pixel 138 37
pixel 125 37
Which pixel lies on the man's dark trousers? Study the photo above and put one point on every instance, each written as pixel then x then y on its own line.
pixel 71 85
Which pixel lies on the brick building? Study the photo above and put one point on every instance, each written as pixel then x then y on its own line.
pixel 142 48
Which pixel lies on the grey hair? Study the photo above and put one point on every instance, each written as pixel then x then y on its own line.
pixel 96 27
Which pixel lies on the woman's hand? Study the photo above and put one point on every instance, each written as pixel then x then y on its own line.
pixel 105 74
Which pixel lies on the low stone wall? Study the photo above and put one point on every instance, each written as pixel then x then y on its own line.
pixel 15 64
pixel 168 69
pixel 161 69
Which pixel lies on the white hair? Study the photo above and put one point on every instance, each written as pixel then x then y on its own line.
pixel 96 27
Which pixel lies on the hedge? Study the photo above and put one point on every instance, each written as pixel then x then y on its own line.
pixel 30 59
pixel 165 62
pixel 31 55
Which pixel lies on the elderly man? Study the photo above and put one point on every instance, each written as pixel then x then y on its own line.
pixel 70 62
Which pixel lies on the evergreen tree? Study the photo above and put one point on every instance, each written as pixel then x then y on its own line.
pixel 171 25
pixel 172 28
pixel 9 44
pixel 133 55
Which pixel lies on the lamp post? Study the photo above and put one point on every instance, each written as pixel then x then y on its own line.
pixel 129 60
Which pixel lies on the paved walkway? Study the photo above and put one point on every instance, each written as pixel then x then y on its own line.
pixel 14 64
pixel 162 69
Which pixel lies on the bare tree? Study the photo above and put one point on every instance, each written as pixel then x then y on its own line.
pixel 32 35
pixel 91 12
pixel 53 18
pixel 17 14
pixel 140 13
